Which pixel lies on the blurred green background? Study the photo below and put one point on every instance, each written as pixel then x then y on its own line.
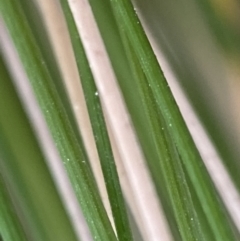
pixel 200 40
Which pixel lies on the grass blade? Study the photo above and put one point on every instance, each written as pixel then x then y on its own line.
pixel 121 126
pixel 100 132
pixel 129 26
pixel 69 145
pixel 169 161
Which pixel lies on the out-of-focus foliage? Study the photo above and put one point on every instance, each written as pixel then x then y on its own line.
pixel 200 39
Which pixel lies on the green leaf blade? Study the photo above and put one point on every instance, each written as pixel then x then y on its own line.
pixel 130 26
pixel 69 146
pixel 100 132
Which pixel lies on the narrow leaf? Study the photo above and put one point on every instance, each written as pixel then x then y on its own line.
pixel 69 145
pixel 100 131
pixel 129 25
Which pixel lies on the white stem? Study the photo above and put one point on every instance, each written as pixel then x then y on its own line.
pixel 134 164
pixel 61 43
